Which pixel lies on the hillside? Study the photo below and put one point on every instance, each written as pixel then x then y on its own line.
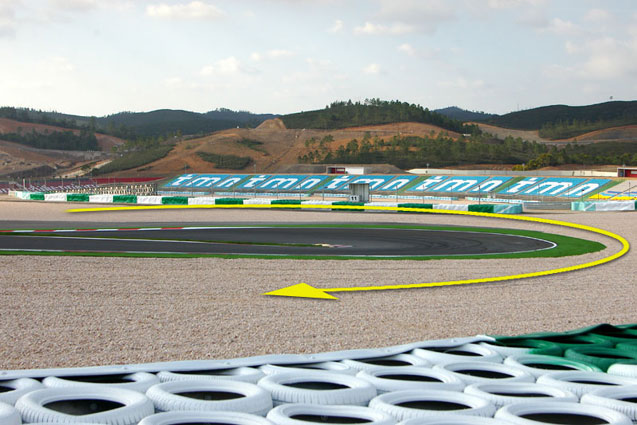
pixel 270 147
pixel 463 115
pixel 562 122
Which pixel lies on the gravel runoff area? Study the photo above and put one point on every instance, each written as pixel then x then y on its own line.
pixel 83 311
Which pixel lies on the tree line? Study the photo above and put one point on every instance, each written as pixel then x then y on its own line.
pixel 59 140
pixel 441 151
pixel 372 112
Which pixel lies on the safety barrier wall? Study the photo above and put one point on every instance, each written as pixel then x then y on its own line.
pixel 183 200
pixel 604 206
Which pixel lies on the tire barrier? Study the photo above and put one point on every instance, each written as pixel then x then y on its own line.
pixel 620 399
pixel 524 346
pixel 473 352
pixel 602 357
pixel 313 388
pixel 241 374
pixel 212 417
pixel 12 390
pixel 388 379
pixel 214 391
pixel 580 383
pixel 9 415
pixel 333 367
pixel 504 394
pixel 396 360
pixel 480 372
pixel 310 414
pixel 453 420
pixel 94 404
pixel 538 365
pixel 140 381
pixel 409 404
pixel 210 395
pixel 559 413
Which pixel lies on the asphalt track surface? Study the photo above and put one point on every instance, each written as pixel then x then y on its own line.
pixel 258 239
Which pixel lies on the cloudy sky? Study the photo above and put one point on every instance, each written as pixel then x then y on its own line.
pixel 96 57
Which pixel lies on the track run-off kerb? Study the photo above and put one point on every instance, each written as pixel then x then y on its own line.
pixel 304 290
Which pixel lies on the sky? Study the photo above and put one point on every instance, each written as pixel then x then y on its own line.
pixel 98 57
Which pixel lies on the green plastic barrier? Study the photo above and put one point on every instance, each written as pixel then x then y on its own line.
pixel 36 196
pixel 77 197
pixel 174 200
pixel 125 199
pixel 348 203
pixel 229 201
pixel 415 205
pixel 602 357
pixel 485 208
pixel 535 346
pixel 286 202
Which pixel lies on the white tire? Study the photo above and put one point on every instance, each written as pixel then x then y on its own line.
pixel 241 374
pixel 615 398
pixel 580 383
pixel 396 360
pixel 140 381
pixel 479 372
pixel 537 413
pixel 191 416
pixel 538 365
pixel 300 414
pixel 318 388
pixel 9 415
pixel 618 369
pixel 14 389
pixel 453 420
pixel 387 379
pixel 408 404
pixel 523 392
pixel 84 404
pixel 332 367
pixel 460 353
pixel 209 395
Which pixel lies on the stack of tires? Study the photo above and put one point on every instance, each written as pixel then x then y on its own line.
pixel 582 377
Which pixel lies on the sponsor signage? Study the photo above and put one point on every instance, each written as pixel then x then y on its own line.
pixel 374 181
pixel 203 181
pixel 585 188
pixel 457 184
pixel 398 183
pixel 337 182
pixel 428 183
pixel 517 187
pixel 489 185
pixel 553 186
pixel 282 182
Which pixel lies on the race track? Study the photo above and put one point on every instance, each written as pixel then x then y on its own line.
pixel 255 239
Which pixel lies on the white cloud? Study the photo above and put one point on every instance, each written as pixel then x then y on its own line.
pixel 597 16
pixel 7 18
pixel 271 54
pixel 404 16
pixel 461 83
pixel 561 27
pixel 74 5
pixel 397 28
pixel 408 49
pixel 59 64
pixel 223 67
pixel 195 10
pixel 337 26
pixel 372 68
pixel 508 4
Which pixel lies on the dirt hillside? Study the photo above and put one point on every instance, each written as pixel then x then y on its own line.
pixel 279 147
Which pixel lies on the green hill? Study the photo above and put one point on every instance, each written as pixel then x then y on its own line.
pixel 371 112
pixel 561 121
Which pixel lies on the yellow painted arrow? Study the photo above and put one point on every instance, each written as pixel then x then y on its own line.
pixel 303 290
